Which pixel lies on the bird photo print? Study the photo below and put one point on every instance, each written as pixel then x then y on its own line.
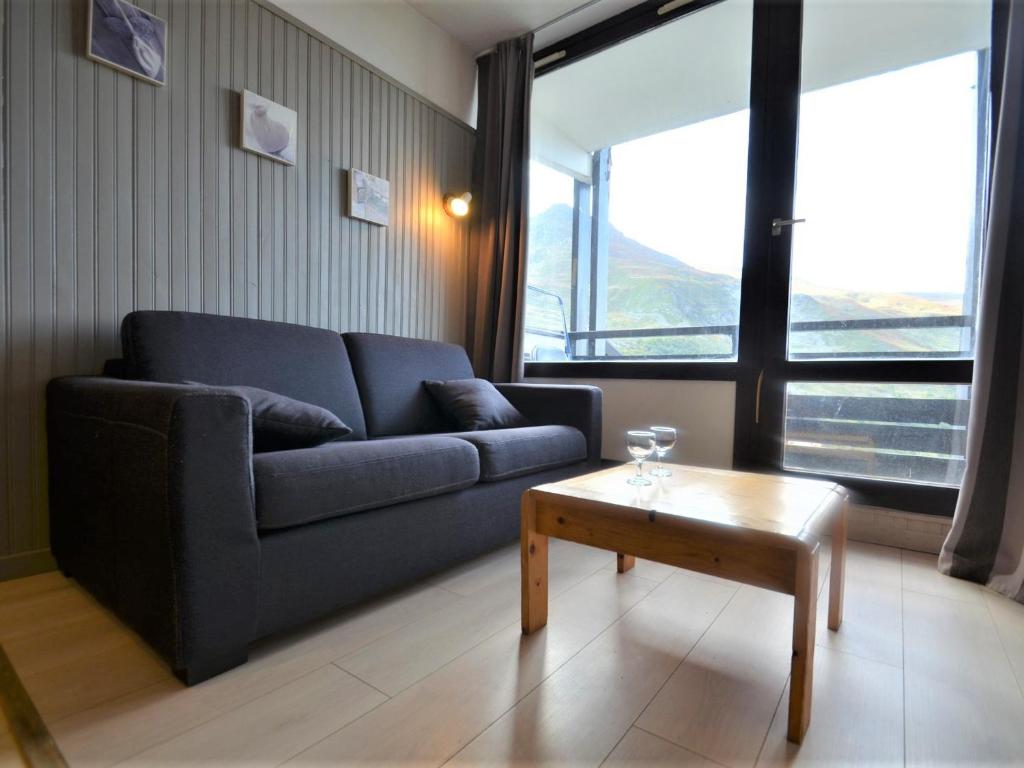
pixel 128 38
pixel 268 129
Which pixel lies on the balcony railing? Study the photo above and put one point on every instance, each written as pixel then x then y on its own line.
pixel 568 342
pixel 899 438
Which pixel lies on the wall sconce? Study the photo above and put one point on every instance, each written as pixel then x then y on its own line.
pixel 457 206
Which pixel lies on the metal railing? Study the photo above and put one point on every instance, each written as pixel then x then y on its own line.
pixel 731 332
pixel 898 438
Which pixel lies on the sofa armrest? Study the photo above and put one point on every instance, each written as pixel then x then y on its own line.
pixel 575 405
pixel 151 508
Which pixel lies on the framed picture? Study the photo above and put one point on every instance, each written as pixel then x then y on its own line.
pixel 127 38
pixel 268 129
pixel 368 197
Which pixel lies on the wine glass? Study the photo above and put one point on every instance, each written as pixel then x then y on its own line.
pixel 640 444
pixel 664 441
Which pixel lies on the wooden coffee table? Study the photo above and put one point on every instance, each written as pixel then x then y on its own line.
pixel 752 528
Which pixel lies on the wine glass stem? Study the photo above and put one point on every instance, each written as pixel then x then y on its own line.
pixel 659 461
pixel 639 467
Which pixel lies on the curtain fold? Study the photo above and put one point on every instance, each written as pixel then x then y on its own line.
pixel 497 239
pixel 986 542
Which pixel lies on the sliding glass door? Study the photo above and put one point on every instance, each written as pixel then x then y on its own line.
pixel 789 195
pixel 863 367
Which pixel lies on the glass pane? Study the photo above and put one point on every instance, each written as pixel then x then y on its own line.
pixel 654 132
pixel 549 261
pixel 676 208
pixel 910 432
pixel 892 152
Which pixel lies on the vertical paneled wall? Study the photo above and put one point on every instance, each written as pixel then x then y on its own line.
pixel 121 195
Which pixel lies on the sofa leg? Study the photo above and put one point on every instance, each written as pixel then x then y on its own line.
pixel 210 666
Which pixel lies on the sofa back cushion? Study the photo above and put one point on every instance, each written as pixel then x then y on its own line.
pixel 390 371
pixel 303 363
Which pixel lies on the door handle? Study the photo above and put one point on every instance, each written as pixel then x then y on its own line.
pixel 757 397
pixel 778 224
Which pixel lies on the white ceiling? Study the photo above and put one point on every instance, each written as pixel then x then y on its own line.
pixel 480 24
pixel 698 67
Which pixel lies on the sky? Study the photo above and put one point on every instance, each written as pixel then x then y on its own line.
pixel 885 178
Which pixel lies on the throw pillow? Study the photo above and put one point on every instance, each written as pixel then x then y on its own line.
pixel 280 423
pixel 474 404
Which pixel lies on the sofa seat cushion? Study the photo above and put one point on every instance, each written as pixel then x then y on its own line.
pixel 334 479
pixel 506 453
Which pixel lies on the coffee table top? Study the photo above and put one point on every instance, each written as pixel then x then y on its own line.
pixel 774 504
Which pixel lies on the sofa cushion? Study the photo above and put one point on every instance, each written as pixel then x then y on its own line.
pixel 474 404
pixel 390 371
pixel 297 487
pixel 300 362
pixel 506 453
pixel 280 423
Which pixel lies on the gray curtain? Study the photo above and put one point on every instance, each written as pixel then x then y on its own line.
pixel 497 240
pixel 986 543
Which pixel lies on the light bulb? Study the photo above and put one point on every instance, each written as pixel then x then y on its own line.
pixel 457 205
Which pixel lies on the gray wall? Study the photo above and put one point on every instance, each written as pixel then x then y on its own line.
pixel 122 195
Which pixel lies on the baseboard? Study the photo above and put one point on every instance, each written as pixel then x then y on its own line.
pixel 894 528
pixel 26 564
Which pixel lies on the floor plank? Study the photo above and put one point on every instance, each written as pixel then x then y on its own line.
pixel 1009 619
pixel 122 669
pixel 963 704
pixel 873 616
pixel 857 717
pixel 920 574
pixel 17 589
pixel 9 756
pixel 640 749
pixel 120 729
pixel 67 643
pixel 874 564
pixel 502 566
pixel 648 569
pixel 29 614
pixel 269 730
pixel 430 721
pixel 491 569
pixel 579 713
pixel 398 661
pixel 720 701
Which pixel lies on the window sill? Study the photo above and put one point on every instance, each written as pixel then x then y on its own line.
pixel 635 369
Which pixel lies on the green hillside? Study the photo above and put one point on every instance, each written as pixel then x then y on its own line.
pixel 650 289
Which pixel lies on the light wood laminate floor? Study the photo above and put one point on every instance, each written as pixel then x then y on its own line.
pixel 654 667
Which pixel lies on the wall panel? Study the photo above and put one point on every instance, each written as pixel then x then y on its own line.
pixel 121 195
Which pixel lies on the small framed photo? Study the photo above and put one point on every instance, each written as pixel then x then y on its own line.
pixel 128 39
pixel 268 128
pixel 368 197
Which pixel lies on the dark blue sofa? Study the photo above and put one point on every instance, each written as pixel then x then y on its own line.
pixel 159 507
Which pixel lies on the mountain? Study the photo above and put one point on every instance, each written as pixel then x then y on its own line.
pixel 651 289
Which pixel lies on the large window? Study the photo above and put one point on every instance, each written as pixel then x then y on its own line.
pixel 639 231
pixel 790 196
pixel 890 177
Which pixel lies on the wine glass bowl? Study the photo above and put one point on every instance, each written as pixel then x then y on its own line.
pixel 640 444
pixel 664 441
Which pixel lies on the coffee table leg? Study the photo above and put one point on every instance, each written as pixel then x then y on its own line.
pixel 625 562
pixel 534 558
pixel 837 570
pixel 802 667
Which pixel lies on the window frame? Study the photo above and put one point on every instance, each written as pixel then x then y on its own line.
pixel 762 369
